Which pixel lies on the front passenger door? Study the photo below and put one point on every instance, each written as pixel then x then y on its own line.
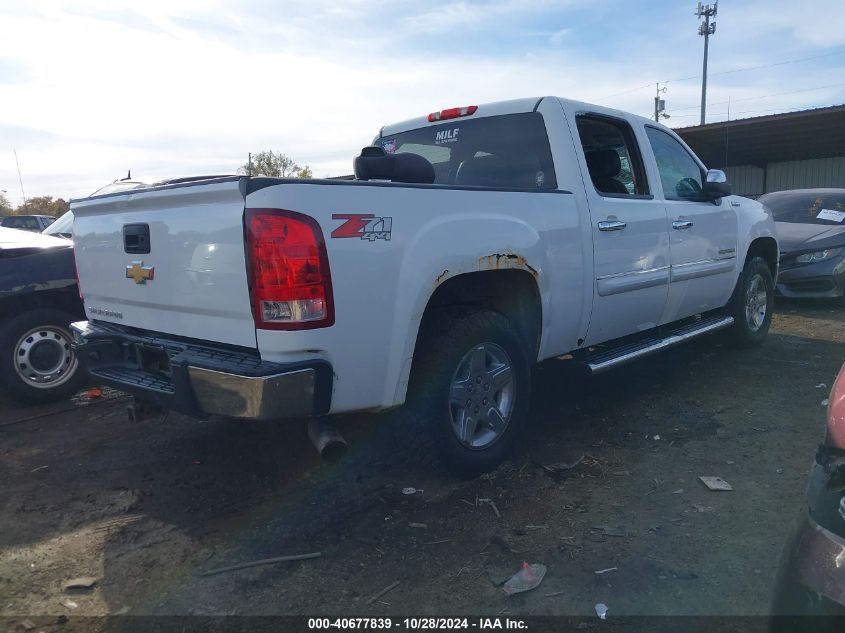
pixel 703 235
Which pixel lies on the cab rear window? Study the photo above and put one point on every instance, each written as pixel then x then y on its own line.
pixel 510 151
pixel 22 222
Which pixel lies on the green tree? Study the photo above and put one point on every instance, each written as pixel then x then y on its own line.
pixel 43 205
pixel 5 205
pixel 275 165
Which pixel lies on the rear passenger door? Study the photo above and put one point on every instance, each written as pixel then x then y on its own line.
pixel 629 229
pixel 703 235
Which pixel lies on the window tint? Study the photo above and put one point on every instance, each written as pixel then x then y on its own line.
pixel 680 174
pixel 612 155
pixel 509 151
pixel 807 207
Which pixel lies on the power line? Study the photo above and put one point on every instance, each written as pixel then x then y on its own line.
pixel 728 72
pixel 624 92
pixel 789 61
pixel 776 110
pixel 776 94
pixel 772 65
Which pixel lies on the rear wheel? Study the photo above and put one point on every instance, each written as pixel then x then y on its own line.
pixel 470 389
pixel 752 303
pixel 37 363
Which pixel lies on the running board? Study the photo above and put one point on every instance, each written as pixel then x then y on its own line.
pixel 603 361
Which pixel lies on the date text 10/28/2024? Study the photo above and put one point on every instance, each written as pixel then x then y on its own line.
pixel 417 624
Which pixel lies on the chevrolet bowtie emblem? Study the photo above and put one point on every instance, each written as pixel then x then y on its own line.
pixel 139 273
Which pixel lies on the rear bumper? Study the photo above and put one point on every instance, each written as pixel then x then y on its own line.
pixel 198 378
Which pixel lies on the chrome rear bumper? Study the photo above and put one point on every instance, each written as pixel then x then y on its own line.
pixel 200 378
pixel 288 394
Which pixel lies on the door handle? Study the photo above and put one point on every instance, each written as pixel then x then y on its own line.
pixel 611 225
pixel 681 224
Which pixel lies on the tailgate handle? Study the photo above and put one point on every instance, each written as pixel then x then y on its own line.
pixel 136 238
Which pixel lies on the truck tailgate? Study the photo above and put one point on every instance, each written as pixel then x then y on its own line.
pixel 190 278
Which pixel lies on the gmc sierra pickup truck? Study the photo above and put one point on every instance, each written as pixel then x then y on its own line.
pixel 473 243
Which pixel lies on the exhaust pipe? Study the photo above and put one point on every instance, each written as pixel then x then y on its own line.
pixel 326 439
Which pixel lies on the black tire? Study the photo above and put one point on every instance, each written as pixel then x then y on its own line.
pixel 48 341
pixel 746 330
pixel 443 348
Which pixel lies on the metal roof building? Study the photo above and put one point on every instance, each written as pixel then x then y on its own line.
pixel 794 150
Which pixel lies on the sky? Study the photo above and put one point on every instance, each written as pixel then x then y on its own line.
pixel 92 89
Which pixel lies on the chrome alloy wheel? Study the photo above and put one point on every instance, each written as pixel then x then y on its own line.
pixel 483 393
pixel 756 302
pixel 44 358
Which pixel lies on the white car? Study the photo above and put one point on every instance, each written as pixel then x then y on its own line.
pixel 473 243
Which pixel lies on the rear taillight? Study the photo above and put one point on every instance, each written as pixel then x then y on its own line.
pixel 290 284
pixel 451 113
pixel 836 412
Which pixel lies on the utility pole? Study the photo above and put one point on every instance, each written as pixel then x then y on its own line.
pixel 659 104
pixel 20 179
pixel 706 28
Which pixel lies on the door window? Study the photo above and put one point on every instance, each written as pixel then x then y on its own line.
pixel 613 158
pixel 680 174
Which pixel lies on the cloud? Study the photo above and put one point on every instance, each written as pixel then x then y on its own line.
pixel 558 37
pixel 191 86
pixel 818 23
pixel 448 17
pixel 13 72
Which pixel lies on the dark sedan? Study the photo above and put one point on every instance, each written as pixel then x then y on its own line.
pixel 39 297
pixel 811 232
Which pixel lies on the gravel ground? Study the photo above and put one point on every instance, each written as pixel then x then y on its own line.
pixel 147 508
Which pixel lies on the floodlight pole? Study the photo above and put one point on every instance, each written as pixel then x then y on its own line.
pixel 706 29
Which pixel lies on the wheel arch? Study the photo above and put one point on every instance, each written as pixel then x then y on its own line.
pixel 512 292
pixel 766 248
pixel 65 299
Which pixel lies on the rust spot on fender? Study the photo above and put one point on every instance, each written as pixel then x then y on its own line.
pixel 498 261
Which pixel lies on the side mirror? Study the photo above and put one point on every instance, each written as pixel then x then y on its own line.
pixel 716 185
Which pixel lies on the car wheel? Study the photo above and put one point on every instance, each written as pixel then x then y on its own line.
pixel 752 303
pixel 470 389
pixel 37 363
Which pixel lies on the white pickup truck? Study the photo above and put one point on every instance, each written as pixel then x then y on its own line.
pixel 473 243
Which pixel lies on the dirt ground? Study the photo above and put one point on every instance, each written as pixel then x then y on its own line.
pixel 147 508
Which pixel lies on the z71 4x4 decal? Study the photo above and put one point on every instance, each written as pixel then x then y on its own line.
pixel 364 226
